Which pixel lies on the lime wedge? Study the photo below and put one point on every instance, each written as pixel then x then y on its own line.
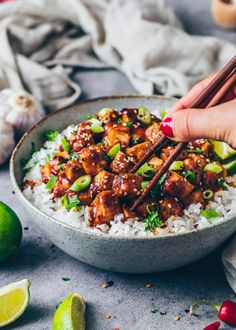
pixel 70 315
pixel 14 299
pixel 231 167
pixel 222 149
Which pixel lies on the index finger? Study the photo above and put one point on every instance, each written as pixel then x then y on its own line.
pixel 187 99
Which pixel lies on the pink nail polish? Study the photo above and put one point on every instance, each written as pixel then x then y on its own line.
pixel 167 127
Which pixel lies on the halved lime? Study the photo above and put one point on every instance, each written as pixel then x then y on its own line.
pixel 14 299
pixel 70 315
pixel 10 232
pixel 222 149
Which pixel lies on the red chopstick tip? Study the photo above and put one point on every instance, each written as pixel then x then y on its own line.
pixel 167 127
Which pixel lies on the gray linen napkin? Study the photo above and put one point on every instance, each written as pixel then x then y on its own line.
pixel 41 39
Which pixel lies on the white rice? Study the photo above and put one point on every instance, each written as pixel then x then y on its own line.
pixel 224 203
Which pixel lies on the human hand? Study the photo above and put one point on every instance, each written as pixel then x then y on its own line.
pixel 219 122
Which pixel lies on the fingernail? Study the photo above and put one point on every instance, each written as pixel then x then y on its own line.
pixel 167 127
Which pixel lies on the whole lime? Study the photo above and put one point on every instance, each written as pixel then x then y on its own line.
pixel 10 232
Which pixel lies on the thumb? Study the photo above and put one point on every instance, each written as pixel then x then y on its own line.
pixel 191 124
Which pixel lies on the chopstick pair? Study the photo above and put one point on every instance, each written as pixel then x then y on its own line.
pixel 210 96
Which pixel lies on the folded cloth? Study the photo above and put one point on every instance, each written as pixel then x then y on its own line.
pixel 42 39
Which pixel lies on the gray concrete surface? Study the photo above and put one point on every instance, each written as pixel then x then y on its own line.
pixel 131 305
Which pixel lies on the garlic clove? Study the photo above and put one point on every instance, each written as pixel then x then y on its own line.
pixel 24 112
pixel 7 141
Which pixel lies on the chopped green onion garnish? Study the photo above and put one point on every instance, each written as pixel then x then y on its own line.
pixel 81 183
pixel 95 122
pixel 213 167
pixel 194 151
pixel 89 117
pixel 114 150
pixel 190 176
pixel 129 123
pixel 176 165
pixel 65 144
pixel 73 202
pixel 104 111
pixel 221 183
pixel 51 135
pixel 156 190
pixel 97 129
pixel 207 194
pixel 210 213
pixel 144 115
pixel 136 141
pixel 64 200
pixel 144 184
pixel 51 182
pixel 146 170
pixel 119 121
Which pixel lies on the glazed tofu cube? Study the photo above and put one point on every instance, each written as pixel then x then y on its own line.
pixel 138 134
pixel 93 159
pixel 83 138
pixel 110 116
pixel 50 168
pixel 127 185
pixel 191 165
pixel 166 152
pixel 194 197
pixel 103 181
pixel 117 133
pixel 128 214
pixel 147 204
pixel 176 185
pixel 86 197
pixel 170 206
pixel 61 186
pixel 129 114
pixel 104 207
pixel 198 159
pixel 121 163
pixel 156 163
pixel 153 132
pixel 73 169
pixel 139 150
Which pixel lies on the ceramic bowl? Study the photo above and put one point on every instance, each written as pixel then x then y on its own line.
pixel 116 253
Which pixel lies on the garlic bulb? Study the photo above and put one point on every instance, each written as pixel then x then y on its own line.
pixel 20 109
pixel 7 141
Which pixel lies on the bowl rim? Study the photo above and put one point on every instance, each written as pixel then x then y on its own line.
pixel 101 235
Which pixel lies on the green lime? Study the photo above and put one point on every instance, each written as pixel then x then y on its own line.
pixel 14 299
pixel 222 149
pixel 70 315
pixel 10 232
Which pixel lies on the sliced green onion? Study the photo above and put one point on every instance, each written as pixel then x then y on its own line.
pixel 51 135
pixel 176 165
pixel 213 167
pixel 164 112
pixel 97 129
pixel 114 150
pixel 190 176
pixel 64 200
pixel 104 111
pixel 95 122
pixel 65 144
pixel 210 213
pixel 207 194
pixel 144 184
pixel 51 182
pixel 89 117
pixel 129 123
pixel 81 183
pixel 73 202
pixel 144 115
pixel 146 170
pixel 194 151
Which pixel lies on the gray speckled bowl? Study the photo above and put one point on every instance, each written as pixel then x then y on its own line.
pixel 123 254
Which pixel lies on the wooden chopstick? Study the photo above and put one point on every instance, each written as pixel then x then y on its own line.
pixel 223 81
